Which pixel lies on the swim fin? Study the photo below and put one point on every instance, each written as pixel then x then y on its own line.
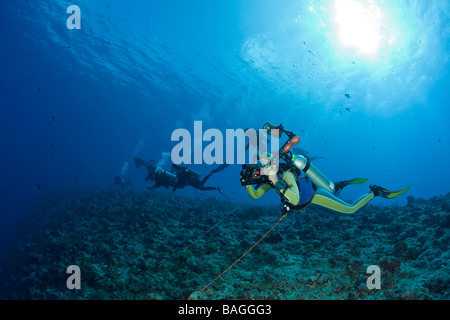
pixel 139 162
pixel 382 192
pixel 220 168
pixel 338 186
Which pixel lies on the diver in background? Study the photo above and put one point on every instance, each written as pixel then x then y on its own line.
pixel 119 181
pixel 150 165
pixel 178 178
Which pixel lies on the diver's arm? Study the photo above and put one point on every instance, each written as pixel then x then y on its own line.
pixel 257 193
pixel 290 192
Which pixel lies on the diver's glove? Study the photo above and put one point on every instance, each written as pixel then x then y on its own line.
pixel 280 185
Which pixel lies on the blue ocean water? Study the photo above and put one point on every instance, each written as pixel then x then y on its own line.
pixel 78 104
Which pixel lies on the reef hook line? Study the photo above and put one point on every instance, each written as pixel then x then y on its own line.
pixel 232 211
pixel 231 266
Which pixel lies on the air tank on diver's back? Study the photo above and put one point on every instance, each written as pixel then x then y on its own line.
pixel 318 178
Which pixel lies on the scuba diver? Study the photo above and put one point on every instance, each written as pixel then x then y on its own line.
pixel 299 183
pixel 150 165
pixel 178 178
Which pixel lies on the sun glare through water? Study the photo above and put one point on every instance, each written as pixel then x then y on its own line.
pixel 359 25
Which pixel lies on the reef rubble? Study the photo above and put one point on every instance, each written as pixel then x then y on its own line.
pixel 132 244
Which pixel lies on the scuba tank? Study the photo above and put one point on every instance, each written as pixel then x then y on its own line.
pixel 185 170
pixel 314 174
pixel 165 179
pixel 170 176
pixel 194 173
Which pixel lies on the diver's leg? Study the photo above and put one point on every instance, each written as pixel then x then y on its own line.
pixel 208 188
pixel 338 186
pixel 327 200
pixel 199 185
pixel 205 178
pixel 203 188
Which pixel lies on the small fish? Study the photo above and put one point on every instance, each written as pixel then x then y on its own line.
pixel 347 95
pixel 347 109
pixel 38 186
pixel 439 140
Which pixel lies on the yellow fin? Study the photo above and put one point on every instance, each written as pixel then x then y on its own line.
pixel 394 194
pixel 358 181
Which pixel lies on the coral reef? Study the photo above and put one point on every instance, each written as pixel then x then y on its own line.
pixel 138 245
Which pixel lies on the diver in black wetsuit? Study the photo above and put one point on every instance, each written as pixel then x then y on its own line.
pixel 178 178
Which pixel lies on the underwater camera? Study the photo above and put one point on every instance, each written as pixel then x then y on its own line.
pixel 251 174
